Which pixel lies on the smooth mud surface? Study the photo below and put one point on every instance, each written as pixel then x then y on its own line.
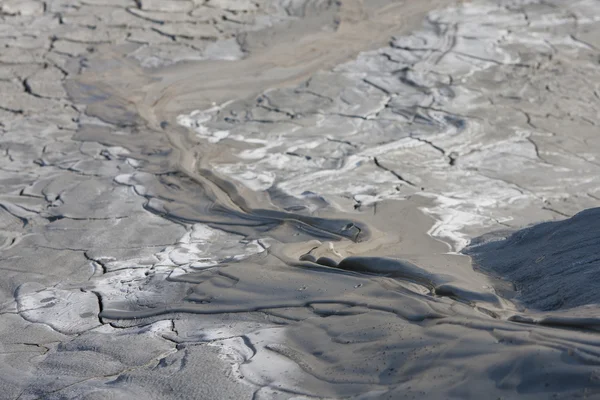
pixel 282 199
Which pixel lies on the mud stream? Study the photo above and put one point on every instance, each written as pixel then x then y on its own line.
pixel 338 200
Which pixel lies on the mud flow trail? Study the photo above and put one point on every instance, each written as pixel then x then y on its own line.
pixel 291 199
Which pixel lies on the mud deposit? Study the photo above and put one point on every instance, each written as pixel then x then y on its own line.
pixel 282 199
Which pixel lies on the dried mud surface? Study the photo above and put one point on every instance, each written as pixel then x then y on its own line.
pixel 281 199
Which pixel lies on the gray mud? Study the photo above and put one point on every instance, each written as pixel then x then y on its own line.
pixel 553 265
pixel 269 199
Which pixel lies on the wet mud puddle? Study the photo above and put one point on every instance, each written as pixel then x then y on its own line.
pixel 339 214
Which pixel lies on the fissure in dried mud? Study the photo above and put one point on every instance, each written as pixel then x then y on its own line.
pixel 273 199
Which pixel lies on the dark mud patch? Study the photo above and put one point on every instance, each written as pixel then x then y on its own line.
pixel 553 265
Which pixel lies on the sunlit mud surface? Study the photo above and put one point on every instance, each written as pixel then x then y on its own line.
pixel 299 199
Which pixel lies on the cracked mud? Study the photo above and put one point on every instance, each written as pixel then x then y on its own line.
pixel 280 199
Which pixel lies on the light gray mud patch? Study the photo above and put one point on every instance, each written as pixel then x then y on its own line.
pixel 475 111
pixel 72 238
pixel 164 228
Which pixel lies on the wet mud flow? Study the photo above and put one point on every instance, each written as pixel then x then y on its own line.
pixel 299 199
